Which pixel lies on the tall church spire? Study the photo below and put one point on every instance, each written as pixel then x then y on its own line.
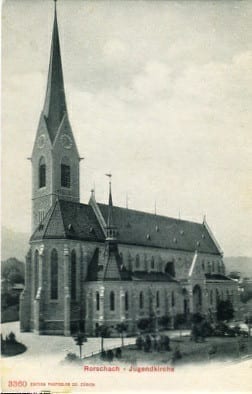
pixel 55 157
pixel 111 228
pixel 55 101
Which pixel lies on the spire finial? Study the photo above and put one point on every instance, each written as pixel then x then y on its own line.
pixel 110 224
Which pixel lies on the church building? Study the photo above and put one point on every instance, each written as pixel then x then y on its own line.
pixel 95 264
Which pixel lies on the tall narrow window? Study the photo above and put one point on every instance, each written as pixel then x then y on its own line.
pixel 172 298
pixel 141 300
pixel 152 263
pixel 137 261
pixel 217 297
pixel 54 275
pixel 97 301
pixel 126 301
pixel 157 299
pixel 73 275
pixel 36 272
pixel 211 297
pixel 112 301
pixel 42 172
pixel 65 173
pixel 170 268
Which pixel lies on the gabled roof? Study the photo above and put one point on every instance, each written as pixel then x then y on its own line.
pixel 69 220
pixel 78 221
pixel 141 228
pixel 107 266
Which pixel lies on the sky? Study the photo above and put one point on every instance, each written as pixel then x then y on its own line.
pixel 159 93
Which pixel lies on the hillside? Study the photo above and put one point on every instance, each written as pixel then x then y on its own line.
pixel 239 263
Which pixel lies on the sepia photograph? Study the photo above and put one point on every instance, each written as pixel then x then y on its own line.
pixel 126 190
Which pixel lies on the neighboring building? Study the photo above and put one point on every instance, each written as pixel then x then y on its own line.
pixel 92 264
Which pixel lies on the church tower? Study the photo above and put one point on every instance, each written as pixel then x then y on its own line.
pixel 55 158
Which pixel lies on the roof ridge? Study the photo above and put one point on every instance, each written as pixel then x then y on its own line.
pixel 152 214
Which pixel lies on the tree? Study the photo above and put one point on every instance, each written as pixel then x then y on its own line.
pixel 13 270
pixel 248 321
pixel 144 324
pixel 121 328
pixel 104 332
pixel 80 338
pixel 225 310
pixel 164 321
pixel 180 320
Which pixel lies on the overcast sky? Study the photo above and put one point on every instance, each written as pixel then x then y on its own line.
pixel 158 93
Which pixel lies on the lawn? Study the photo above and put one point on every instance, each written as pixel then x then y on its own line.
pixel 214 348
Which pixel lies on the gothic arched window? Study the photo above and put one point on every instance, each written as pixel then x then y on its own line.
pixel 36 272
pixel 73 275
pixel 211 297
pixel 141 300
pixel 217 296
pixel 112 301
pixel 42 172
pixel 126 301
pixel 173 298
pixel 65 173
pixel 157 299
pixel 97 296
pixel 54 275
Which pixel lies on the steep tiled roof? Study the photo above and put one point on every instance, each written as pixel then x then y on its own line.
pixel 141 228
pixel 78 221
pixel 69 220
pixel 110 262
pixel 55 102
pixel 152 276
pixel 97 261
pixel 216 277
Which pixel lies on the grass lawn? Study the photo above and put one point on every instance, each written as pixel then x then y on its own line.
pixel 214 348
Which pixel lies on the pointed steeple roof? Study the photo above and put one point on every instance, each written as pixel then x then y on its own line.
pixel 110 209
pixel 111 228
pixel 55 101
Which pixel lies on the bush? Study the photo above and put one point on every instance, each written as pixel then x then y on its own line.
pixel 71 357
pixel 179 321
pixel 118 353
pixel 176 355
pixel 139 342
pixel 222 329
pixel 144 324
pixel 11 338
pixel 165 342
pixel 10 346
pixel 225 310
pixel 103 355
pixel 110 355
pixel 164 321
